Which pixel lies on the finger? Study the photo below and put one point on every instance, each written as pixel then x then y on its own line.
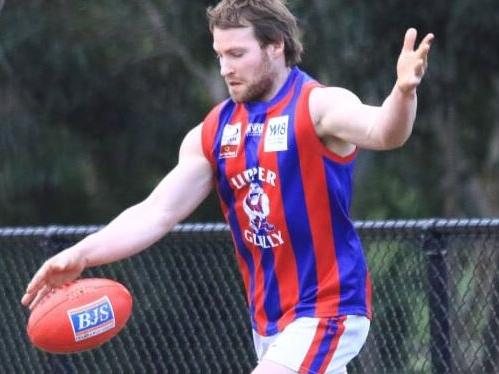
pixel 39 282
pixel 35 284
pixel 31 291
pixel 410 39
pixel 38 279
pixel 31 298
pixel 45 274
pixel 428 39
pixel 27 297
pixel 39 296
pixel 425 45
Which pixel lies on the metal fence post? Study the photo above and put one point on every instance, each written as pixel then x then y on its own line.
pixel 435 248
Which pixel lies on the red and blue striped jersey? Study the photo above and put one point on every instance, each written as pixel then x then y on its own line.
pixel 286 198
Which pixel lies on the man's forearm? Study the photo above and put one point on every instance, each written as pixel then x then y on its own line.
pixel 396 117
pixel 132 231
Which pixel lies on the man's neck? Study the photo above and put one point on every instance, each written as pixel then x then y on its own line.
pixel 280 78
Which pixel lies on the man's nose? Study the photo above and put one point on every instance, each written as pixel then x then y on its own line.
pixel 225 67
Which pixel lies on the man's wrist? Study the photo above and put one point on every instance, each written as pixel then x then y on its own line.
pixel 405 90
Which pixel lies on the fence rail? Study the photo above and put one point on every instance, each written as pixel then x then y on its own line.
pixel 436 301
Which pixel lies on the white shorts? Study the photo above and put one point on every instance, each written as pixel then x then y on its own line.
pixel 315 345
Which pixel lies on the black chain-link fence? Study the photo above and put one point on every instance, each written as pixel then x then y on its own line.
pixel 436 301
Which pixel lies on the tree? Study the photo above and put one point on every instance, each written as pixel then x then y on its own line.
pixel 96 97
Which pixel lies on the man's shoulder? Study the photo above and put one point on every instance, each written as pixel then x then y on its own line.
pixel 332 94
pixel 218 108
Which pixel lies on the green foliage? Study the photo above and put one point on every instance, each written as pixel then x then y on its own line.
pixel 96 97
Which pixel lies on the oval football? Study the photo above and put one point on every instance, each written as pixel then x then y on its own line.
pixel 80 315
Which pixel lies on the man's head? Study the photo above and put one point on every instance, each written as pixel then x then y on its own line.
pixel 271 20
pixel 256 42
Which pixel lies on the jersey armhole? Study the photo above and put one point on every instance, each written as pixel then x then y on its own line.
pixel 208 132
pixel 311 134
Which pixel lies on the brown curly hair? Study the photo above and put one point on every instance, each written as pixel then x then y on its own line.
pixel 271 20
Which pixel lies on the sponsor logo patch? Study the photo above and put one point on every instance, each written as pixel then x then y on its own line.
pixel 231 138
pixel 92 319
pixel 254 129
pixel 276 136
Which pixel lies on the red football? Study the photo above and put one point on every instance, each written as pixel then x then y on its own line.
pixel 80 315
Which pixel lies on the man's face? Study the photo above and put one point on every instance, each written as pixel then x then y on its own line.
pixel 244 64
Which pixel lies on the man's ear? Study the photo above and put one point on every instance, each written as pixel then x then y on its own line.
pixel 276 49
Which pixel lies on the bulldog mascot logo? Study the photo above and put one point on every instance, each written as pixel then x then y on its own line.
pixel 257 207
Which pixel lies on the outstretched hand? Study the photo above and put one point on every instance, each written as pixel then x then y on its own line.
pixel 55 272
pixel 412 63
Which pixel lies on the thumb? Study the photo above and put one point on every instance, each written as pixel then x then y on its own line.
pixel 410 39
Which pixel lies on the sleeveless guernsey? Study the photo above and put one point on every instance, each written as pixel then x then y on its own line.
pixel 286 198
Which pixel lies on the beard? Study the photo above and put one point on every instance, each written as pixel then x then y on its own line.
pixel 259 87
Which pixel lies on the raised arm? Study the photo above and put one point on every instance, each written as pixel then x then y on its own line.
pixel 343 121
pixel 136 228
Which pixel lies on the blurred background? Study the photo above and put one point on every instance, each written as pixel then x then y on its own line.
pixel 96 96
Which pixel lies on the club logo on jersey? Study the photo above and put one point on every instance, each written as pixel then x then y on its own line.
pixel 231 138
pixel 256 205
pixel 92 319
pixel 253 174
pixel 276 136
